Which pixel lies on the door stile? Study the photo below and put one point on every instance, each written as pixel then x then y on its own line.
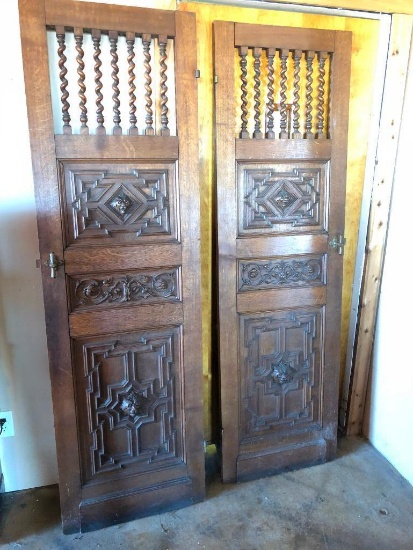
pixel 228 337
pixel 340 95
pixel 187 109
pixel 40 117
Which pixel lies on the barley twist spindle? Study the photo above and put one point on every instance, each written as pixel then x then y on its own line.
pixel 283 94
pixel 243 51
pixel 296 95
pixel 270 96
pixel 130 45
pixel 163 41
pixel 60 35
pixel 113 40
pixel 309 56
pixel 257 93
pixel 96 36
pixel 81 80
pixel 146 41
pixel 322 56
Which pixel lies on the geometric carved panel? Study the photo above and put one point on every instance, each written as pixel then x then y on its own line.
pixel 121 289
pixel 281 383
pixel 282 198
pixel 128 391
pixel 281 272
pixel 122 202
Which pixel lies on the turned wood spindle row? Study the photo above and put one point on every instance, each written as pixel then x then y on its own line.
pixel 98 68
pixel 304 102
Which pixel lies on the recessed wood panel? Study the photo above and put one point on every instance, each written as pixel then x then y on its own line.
pixel 282 198
pixel 281 371
pixel 118 289
pixel 129 391
pixel 120 202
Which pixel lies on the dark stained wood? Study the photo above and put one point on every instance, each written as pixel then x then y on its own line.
pixel 187 121
pixel 280 201
pixel 39 111
pixel 113 147
pixel 100 119
pixel 264 150
pixel 130 41
pixel 78 260
pixel 264 36
pixel 123 319
pixel 227 220
pixel 89 15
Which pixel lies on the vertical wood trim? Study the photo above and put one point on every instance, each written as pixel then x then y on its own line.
pixel 36 75
pixel 227 227
pixel 392 106
pixel 381 59
pixel 187 124
pixel 340 94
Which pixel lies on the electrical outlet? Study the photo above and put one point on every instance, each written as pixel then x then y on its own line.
pixel 6 424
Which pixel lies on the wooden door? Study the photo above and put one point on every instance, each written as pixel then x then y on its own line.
pixel 118 221
pixel 281 101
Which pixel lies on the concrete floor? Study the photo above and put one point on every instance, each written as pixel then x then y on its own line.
pixel 356 502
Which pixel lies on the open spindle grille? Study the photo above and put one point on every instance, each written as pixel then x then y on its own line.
pixel 282 93
pixel 110 82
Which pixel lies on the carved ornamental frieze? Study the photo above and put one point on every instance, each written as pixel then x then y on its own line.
pixel 115 289
pixel 273 273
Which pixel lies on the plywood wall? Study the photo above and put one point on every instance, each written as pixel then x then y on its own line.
pixel 365 41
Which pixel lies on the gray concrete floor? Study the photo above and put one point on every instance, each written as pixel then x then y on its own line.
pixel 358 501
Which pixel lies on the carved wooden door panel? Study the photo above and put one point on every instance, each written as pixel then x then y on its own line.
pixel 118 218
pixel 281 134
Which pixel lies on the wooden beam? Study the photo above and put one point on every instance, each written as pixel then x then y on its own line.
pixel 378 6
pixel 394 89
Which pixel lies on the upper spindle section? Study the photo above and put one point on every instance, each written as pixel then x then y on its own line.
pixel 114 76
pixel 282 85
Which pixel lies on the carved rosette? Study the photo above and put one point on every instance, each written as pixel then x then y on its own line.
pixel 274 273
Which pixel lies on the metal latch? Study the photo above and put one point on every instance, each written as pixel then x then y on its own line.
pixel 338 243
pixel 54 263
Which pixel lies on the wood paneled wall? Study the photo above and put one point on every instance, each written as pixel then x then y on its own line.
pixel 365 41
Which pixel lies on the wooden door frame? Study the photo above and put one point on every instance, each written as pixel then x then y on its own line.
pixel 372 244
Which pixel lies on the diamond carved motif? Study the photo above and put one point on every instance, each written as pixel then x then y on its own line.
pixel 281 198
pixel 120 202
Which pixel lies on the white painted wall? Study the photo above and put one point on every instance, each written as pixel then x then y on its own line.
pixel 390 410
pixel 29 458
